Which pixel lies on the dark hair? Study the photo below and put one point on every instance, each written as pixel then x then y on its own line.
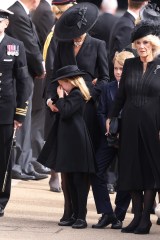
pixel 135 4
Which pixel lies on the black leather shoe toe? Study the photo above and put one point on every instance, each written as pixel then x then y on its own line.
pixel 105 220
pixel 67 222
pixel 39 168
pixel 22 176
pixel 1 212
pixel 80 223
pixel 117 225
pixel 38 176
pixel 143 230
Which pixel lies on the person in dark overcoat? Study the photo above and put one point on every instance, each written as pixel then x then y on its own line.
pixel 73 152
pixel 14 94
pixel 138 96
pixel 122 29
pixel 43 19
pixel 88 53
pixel 105 22
pixel 106 155
pixel 22 28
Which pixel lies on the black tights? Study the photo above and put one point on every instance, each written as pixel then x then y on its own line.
pixel 67 198
pixel 75 188
pixel 142 202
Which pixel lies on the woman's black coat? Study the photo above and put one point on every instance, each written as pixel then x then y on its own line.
pixel 139 96
pixel 68 147
pixel 92 59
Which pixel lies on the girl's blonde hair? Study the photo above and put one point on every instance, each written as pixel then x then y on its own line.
pixel 80 83
pixel 155 42
pixel 120 57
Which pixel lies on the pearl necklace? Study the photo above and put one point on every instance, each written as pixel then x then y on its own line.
pixel 78 44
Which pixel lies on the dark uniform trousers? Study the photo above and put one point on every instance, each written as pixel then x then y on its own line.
pixel 104 157
pixel 6 132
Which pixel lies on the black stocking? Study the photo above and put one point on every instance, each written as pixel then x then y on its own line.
pixel 149 197
pixel 67 198
pixel 137 204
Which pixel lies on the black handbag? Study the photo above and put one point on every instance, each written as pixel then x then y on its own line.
pixel 113 135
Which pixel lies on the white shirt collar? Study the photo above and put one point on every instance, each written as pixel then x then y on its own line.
pixel 49 1
pixel 1 37
pixel 133 14
pixel 25 8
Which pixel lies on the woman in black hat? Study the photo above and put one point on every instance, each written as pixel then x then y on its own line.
pixel 75 46
pixel 50 46
pixel 68 147
pixel 138 96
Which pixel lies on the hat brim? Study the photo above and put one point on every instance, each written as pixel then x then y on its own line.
pixel 78 73
pixel 149 14
pixel 67 29
pixel 63 2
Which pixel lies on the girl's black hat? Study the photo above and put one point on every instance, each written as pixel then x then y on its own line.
pixel 67 72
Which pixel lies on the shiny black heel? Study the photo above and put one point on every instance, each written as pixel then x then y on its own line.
pixel 144 230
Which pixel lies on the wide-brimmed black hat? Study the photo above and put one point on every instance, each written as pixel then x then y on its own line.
pixel 68 72
pixel 150 11
pixel 4 14
pixel 76 21
pixel 62 2
pixel 144 28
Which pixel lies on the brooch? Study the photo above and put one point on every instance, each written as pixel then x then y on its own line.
pixel 157 67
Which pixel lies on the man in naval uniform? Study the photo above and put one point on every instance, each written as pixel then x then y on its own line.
pixel 13 100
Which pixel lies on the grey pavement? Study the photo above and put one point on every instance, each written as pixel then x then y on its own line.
pixel 33 213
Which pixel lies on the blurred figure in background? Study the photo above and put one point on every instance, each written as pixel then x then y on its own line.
pixel 106 21
pixel 120 36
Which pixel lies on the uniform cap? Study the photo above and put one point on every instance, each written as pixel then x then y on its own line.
pixel 4 14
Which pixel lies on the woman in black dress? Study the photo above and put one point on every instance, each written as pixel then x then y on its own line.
pixel 139 97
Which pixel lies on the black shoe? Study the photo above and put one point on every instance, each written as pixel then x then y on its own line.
pixel 117 225
pixel 67 222
pixel 129 229
pixel 38 176
pixel 1 212
pixel 144 230
pixel 39 168
pixel 158 221
pixel 22 176
pixel 133 225
pixel 105 220
pixel 80 223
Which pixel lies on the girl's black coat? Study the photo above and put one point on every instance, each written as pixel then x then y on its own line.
pixel 68 147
